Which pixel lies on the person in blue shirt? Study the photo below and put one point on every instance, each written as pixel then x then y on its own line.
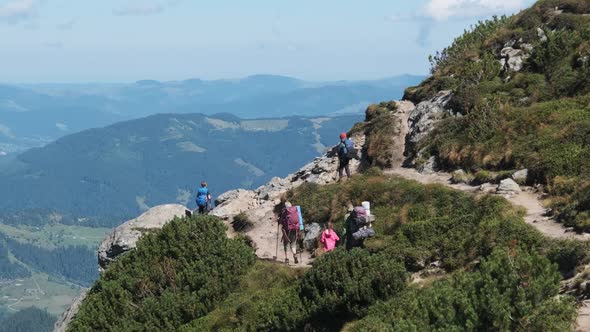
pixel 203 198
pixel 344 148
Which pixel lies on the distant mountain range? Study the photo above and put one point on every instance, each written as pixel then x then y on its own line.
pixel 113 173
pixel 34 115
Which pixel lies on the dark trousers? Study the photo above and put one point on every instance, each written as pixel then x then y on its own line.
pixel 203 209
pixel 344 165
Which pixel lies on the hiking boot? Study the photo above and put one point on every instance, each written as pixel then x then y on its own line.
pixel 295 257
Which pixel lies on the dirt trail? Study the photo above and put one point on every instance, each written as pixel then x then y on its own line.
pixel 527 198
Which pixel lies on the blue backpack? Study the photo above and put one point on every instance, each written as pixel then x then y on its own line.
pixel 346 148
pixel 202 197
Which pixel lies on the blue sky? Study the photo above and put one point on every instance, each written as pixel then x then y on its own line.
pixel 124 41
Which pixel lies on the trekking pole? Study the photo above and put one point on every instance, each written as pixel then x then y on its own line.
pixel 301 254
pixel 277 250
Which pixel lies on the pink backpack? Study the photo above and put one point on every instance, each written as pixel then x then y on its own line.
pixel 290 218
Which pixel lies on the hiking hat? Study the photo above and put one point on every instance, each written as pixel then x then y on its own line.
pixel 342 135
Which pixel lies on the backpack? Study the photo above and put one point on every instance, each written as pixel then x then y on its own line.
pixel 347 149
pixel 202 197
pixel 359 216
pixel 290 218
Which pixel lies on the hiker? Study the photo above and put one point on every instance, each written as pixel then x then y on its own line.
pixel 203 198
pixel 346 152
pixel 329 238
pixel 358 228
pixel 290 226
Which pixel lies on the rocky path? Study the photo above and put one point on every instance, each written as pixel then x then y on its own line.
pixel 535 211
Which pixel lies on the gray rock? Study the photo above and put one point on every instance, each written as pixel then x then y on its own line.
pixel 488 188
pixel 508 186
pixel 125 237
pixel 427 114
pixel 234 202
pixel 521 176
pixel 527 48
pixel 312 233
pixel 423 119
pixel 513 58
pixel 542 36
pixel 230 196
pixel 61 325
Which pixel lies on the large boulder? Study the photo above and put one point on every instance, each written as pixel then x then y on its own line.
pixel 125 237
pixel 234 202
pixel 514 54
pixel 423 119
pixel 312 233
pixel 508 186
pixel 521 176
pixel 426 114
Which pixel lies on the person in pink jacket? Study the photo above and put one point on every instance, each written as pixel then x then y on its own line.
pixel 329 238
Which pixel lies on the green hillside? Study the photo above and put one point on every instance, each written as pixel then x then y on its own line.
pixel 495 271
pixel 537 117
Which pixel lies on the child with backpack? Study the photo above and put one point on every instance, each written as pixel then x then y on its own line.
pixel 329 238
pixel 203 198
pixel 290 226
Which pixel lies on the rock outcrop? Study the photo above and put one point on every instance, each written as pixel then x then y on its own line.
pixel 508 187
pixel 125 237
pixel 521 176
pixel 422 120
pixel 312 233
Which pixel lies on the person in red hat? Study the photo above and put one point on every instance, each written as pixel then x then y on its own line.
pixel 345 149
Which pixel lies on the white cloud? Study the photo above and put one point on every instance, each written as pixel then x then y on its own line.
pixel 139 9
pixel 4 130
pixel 442 10
pixel 61 126
pixel 16 10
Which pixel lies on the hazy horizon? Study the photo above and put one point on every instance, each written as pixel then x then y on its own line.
pixel 125 41
pixel 132 81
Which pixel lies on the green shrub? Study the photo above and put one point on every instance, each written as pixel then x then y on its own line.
pixel 241 223
pixel 266 299
pixel 346 283
pixel 175 276
pixel 568 255
pixel 483 176
pixel 512 290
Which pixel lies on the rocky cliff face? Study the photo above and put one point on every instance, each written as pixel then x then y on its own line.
pixel 421 121
pixel 125 237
